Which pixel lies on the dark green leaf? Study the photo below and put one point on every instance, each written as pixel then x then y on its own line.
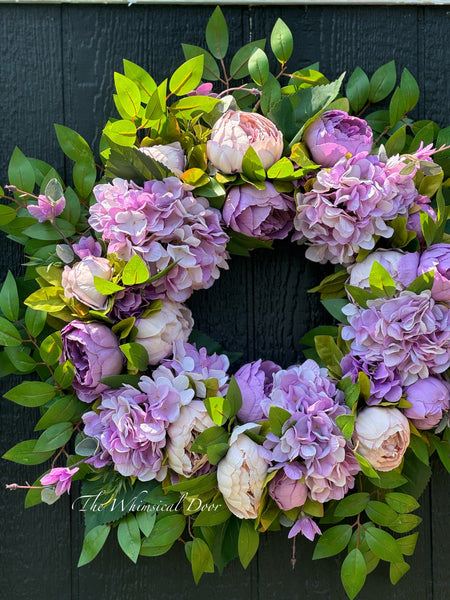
pixel 217 34
pixel 234 396
pixel 23 453
pixel 353 573
pixel 383 545
pixel 35 321
pixel 72 144
pixel 9 298
pixel 332 541
pixel 210 68
pixel 239 62
pixel 93 543
pixel 22 361
pixel 410 89
pixel 334 307
pixel 31 393
pixel 380 513
pixel 62 410
pixel 397 107
pixel 396 142
pixel 248 542
pixel 20 172
pixel 357 90
pixel 212 435
pixel 9 336
pixel 382 82
pixel 129 537
pixel 165 531
pixel 352 505
pixel 54 437
pixel 146 521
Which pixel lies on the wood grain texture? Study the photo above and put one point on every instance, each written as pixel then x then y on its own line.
pixel 58 64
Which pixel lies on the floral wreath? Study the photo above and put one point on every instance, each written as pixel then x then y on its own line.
pixel 142 408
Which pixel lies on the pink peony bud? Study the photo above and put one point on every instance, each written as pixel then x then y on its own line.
pixel 381 436
pixel 78 281
pixel 170 155
pixel 235 132
pixel 288 493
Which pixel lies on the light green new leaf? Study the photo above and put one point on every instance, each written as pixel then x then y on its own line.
pixel 128 93
pixel 210 68
pixel 187 77
pixel 281 41
pixel 135 271
pixel 106 287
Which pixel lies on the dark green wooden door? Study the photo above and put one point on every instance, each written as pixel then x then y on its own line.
pixel 57 66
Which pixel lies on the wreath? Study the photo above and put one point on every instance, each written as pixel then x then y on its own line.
pixel 142 408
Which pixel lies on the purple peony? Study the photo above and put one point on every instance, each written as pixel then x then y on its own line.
pixel 311 445
pixel 133 301
pixel 94 350
pixel 437 259
pixel 409 333
pixel 131 425
pixel 167 227
pixel 288 493
pixel 255 381
pixel 264 214
pixel 350 205
pixel 430 398
pixel 334 135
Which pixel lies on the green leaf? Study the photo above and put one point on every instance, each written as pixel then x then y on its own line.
pixel 353 573
pixel 146 521
pixel 332 541
pixel 155 108
pixel 22 361
pixel 217 34
pixel 365 465
pixel 216 452
pixel 352 505
pixel 252 166
pixel 31 393
pixel 9 298
pixel 35 321
pixel 383 545
pixel 7 214
pixel 194 105
pixel 166 530
pixel 397 107
pixel 123 329
pixel 136 355
pixel 216 517
pixel 410 89
pixel 281 41
pixel 402 503
pixel 277 417
pixel 382 82
pixel 422 282
pixel 346 424
pixel 62 410
pixel 141 78
pixel 46 231
pixel 212 435
pixel 405 523
pixel 48 299
pixel 380 513
pixel 407 544
pixel 24 454
pixel 123 132
pixel 117 381
pixel 258 66
pixel 443 449
pixel 129 95
pixel 129 537
pixel 357 90
pixel 84 175
pixel 248 542
pixel 210 68
pixel 135 271
pixel 106 287
pixel 239 62
pixel 72 144
pixel 51 348
pixel 234 396
pixel 420 448
pixel 187 77
pixel 201 558
pixel 9 336
pixel 389 480
pixel 20 172
pixel 54 437
pixel 87 447
pixel 329 352
pixel 397 570
pixel 381 281
pixel 334 307
pixel 64 374
pixel 219 409
pixel 396 142
pixel 93 543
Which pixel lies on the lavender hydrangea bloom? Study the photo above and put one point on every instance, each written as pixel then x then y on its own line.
pixel 264 214
pixel 409 333
pixel 94 351
pixel 131 425
pixel 334 134
pixel 166 226
pixel 311 434
pixel 87 246
pixel 385 382
pixel 199 366
pixel 349 205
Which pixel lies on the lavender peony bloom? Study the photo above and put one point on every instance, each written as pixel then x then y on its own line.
pixel 288 493
pixel 430 398
pixel 133 301
pixel 240 477
pixel 255 381
pixel 199 366
pixel 409 333
pixel 193 420
pixel 62 476
pixel 311 434
pixel 385 382
pixel 437 259
pixel 158 331
pixel 334 135
pixel 169 155
pixel 46 210
pixel 382 436
pixel 94 350
pixel 78 281
pixel 264 214
pixel 235 132
pixel 349 205
pixel 131 426
pixel 167 227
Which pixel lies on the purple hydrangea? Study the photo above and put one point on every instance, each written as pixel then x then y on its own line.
pixel 165 225
pixel 311 445
pixel 409 333
pixel 199 366
pixel 87 246
pixel 349 205
pixel 385 382
pixel 131 425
